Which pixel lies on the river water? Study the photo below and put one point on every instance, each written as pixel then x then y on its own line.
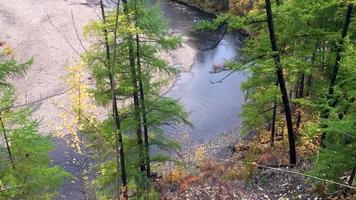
pixel 213 107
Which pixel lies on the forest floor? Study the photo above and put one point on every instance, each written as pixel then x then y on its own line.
pixel 227 170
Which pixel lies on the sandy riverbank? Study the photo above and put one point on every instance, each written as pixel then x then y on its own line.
pixel 26 26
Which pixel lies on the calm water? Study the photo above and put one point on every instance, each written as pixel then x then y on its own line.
pixel 213 108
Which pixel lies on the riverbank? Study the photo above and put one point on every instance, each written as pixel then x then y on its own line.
pixel 182 59
pixel 48 32
pixel 211 6
pixel 225 168
pixel 42 31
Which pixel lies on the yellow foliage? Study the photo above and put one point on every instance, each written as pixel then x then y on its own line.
pixel 6 49
pixel 200 154
pixel 175 175
pixel 80 110
pixel 242 7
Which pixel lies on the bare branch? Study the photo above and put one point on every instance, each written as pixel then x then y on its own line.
pixel 64 37
pixel 76 32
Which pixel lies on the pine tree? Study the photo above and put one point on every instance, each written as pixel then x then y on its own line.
pixel 141 34
pixel 282 85
pixel 25 171
pixel 308 37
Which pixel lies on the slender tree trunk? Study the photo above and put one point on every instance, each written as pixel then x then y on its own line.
pixel 7 143
pixel 300 95
pixel 282 85
pixel 135 95
pixel 273 128
pixel 274 116
pixel 143 109
pixel 309 78
pixel 119 147
pixel 340 48
pixel 142 98
pixel 309 83
pixel 351 180
pixel 338 56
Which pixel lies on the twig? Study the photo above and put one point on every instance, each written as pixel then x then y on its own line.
pixel 228 75
pixel 64 37
pixel 289 171
pixel 36 101
pixel 218 42
pixel 76 32
pixel 225 77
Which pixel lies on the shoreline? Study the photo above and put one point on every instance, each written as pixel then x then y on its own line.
pixel 48 46
pixel 197 7
pixel 185 57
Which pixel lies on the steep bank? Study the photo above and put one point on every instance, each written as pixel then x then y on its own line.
pixel 213 6
pixel 239 7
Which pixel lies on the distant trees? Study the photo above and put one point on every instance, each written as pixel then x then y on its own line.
pixel 25 171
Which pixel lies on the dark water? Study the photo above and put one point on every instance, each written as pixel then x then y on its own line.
pixel 213 108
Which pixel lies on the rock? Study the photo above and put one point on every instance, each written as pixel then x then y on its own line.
pixel 174 187
pixel 217 68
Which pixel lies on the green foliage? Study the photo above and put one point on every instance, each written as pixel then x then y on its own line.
pixel 339 154
pixel 308 35
pixel 26 173
pixel 148 24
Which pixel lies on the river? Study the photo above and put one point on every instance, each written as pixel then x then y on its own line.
pixel 213 107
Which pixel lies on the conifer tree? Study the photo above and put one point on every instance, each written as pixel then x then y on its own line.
pixel 143 109
pixel 25 170
pixel 308 37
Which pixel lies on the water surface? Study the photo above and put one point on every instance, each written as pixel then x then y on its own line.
pixel 213 108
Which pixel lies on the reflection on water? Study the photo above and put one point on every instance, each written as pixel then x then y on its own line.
pixel 213 108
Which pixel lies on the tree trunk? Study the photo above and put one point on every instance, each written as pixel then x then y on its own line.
pixel 7 143
pixel 325 114
pixel 135 95
pixel 282 85
pixel 119 147
pixel 273 128
pixel 351 180
pixel 338 55
pixel 274 115
pixel 143 107
pixel 300 95
pixel 309 81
